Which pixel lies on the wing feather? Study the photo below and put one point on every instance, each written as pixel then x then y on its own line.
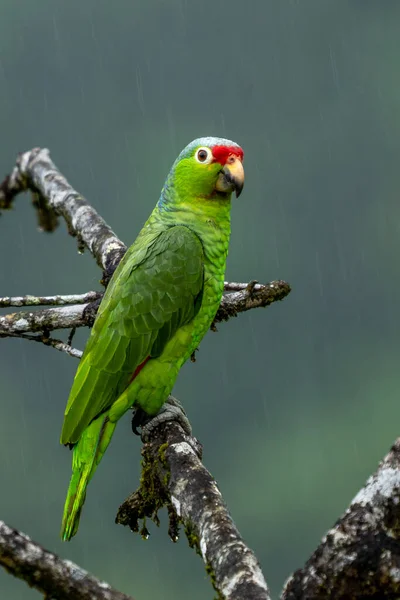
pixel 153 293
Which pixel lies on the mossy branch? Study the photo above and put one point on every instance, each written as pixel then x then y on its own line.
pixel 174 476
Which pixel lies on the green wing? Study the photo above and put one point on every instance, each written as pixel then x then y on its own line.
pixel 155 290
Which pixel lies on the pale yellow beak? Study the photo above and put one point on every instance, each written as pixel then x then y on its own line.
pixel 231 177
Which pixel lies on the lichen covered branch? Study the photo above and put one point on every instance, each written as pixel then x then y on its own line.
pixel 250 296
pixel 173 475
pixel 53 195
pixel 360 556
pixel 46 572
pixel 82 315
pixel 57 300
pixel 65 317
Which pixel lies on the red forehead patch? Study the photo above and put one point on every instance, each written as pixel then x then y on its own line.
pixel 221 153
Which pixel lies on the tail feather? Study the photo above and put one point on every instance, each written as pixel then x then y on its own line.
pixel 87 454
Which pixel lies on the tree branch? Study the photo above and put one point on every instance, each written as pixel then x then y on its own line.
pixel 54 577
pixel 65 317
pixel 174 476
pixel 83 315
pixel 360 556
pixel 49 300
pixel 248 297
pixel 48 341
pixel 54 196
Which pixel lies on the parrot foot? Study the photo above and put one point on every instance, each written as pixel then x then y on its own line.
pixel 139 419
pixel 172 410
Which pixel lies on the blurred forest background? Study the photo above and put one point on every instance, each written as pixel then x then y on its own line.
pixel 295 404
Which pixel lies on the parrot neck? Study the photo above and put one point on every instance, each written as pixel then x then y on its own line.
pixel 174 205
pixel 209 218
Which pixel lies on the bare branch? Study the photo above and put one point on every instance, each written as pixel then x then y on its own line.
pixel 234 286
pixel 249 297
pixel 173 475
pixel 63 347
pixel 54 577
pixel 48 341
pixel 54 196
pixel 49 300
pixel 48 319
pixel 82 315
pixel 360 556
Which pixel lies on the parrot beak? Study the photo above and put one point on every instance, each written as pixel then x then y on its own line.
pixel 231 177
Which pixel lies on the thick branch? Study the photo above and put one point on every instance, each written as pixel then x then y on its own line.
pixel 173 475
pixel 360 556
pixel 54 196
pixel 48 573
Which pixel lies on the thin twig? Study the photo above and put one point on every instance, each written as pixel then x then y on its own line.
pixel 234 286
pixel 47 341
pixel 47 572
pixel 49 300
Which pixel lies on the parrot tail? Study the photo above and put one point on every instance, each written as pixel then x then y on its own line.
pixel 87 454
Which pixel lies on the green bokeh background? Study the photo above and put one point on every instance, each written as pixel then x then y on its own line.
pixel 295 404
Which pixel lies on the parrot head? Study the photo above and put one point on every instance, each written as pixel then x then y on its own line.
pixel 209 168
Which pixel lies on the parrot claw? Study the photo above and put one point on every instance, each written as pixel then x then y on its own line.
pixel 172 410
pixel 139 419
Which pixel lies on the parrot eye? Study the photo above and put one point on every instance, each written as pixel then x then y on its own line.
pixel 204 155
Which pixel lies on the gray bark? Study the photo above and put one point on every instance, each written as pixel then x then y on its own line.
pixel 56 578
pixel 191 494
pixel 360 556
pixel 53 196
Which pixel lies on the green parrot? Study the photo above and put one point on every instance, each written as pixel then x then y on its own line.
pixel 160 302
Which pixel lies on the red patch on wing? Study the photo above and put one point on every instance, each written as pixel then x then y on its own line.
pixel 221 153
pixel 138 369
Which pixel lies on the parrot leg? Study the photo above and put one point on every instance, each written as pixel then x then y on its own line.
pixel 172 410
